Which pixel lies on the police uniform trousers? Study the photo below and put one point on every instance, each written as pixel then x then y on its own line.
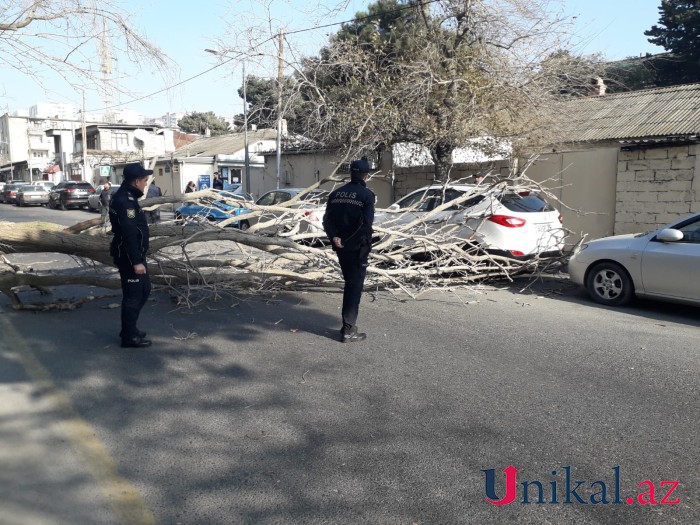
pixel 354 268
pixel 135 292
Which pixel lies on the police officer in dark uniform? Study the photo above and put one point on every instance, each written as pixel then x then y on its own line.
pixel 348 224
pixel 128 249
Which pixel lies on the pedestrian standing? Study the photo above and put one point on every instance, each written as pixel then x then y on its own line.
pixel 348 225
pixel 153 192
pixel 218 184
pixel 105 197
pixel 190 188
pixel 128 249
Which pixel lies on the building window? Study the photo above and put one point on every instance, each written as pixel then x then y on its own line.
pixel 120 141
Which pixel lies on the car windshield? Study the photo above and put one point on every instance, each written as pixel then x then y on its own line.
pixel 527 202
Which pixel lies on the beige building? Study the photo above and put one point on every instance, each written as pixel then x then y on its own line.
pixel 198 160
pixel 631 162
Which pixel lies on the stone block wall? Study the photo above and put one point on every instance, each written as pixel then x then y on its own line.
pixel 656 186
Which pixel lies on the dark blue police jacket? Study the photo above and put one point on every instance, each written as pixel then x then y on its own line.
pixel 129 225
pixel 349 215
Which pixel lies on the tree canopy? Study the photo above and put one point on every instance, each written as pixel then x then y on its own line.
pixel 262 99
pixel 678 32
pixel 202 122
pixel 438 74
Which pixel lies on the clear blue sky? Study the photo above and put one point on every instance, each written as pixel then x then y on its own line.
pixel 183 30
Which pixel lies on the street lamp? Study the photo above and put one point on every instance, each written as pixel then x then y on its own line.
pixel 245 133
pixel 245 123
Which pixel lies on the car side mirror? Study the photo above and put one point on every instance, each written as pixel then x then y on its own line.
pixel 394 207
pixel 669 235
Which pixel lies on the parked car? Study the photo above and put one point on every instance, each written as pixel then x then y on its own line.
pixel 30 194
pixel 93 202
pixel 662 264
pixel 9 192
pixel 70 193
pixel 313 202
pixel 236 194
pixel 44 183
pixel 237 189
pixel 518 225
pixel 212 211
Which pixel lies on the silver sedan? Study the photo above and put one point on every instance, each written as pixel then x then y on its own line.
pixel 663 264
pixel 32 195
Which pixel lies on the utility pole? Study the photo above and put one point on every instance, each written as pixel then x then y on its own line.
pixel 84 133
pixel 247 187
pixel 279 110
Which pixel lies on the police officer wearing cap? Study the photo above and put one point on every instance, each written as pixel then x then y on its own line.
pixel 348 224
pixel 128 249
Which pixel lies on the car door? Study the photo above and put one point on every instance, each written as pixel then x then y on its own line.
pixel 672 269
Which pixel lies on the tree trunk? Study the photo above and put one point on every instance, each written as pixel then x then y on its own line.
pixel 442 159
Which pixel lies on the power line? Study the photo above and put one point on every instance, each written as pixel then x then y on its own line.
pixel 241 54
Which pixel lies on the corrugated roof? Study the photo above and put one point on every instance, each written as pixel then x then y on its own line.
pixel 223 144
pixel 660 112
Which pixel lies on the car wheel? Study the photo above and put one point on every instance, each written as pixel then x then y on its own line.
pixel 609 283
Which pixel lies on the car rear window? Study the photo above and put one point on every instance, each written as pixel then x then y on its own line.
pixel 526 202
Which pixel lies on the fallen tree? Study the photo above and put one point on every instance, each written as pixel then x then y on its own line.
pixel 199 260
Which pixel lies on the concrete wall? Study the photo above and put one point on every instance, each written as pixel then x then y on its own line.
pixel 301 170
pixel 407 180
pixel 584 183
pixel 656 186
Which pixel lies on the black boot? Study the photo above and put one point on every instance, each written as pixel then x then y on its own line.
pixel 352 337
pixel 136 342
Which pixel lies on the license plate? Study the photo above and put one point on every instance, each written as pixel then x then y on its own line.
pixel 543 228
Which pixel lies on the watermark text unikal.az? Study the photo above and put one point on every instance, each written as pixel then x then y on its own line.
pixel 562 488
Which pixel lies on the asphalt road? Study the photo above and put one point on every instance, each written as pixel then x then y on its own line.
pixel 247 411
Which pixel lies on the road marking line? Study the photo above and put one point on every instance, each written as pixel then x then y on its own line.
pixel 123 497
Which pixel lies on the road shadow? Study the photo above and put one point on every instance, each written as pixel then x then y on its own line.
pixel 560 288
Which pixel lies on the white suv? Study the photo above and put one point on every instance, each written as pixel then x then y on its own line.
pixel 504 222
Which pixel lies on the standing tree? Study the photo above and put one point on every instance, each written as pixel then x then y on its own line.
pixel 678 32
pixel 439 74
pixel 632 74
pixel 73 40
pixel 261 94
pixel 202 122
